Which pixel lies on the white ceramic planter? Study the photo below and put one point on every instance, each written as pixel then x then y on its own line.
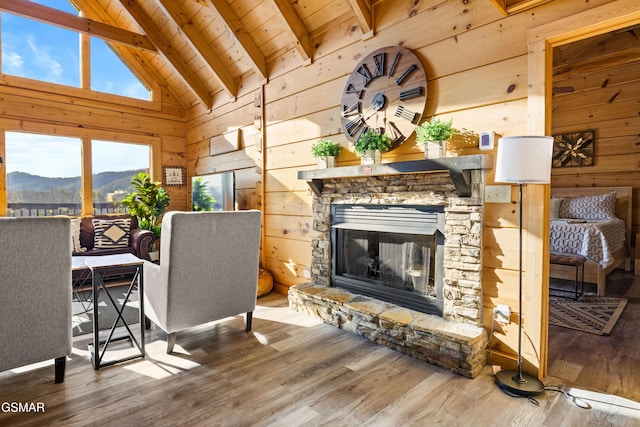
pixel 326 162
pixel 371 157
pixel 433 149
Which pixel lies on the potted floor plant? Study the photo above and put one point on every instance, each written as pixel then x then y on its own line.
pixel 147 202
pixel 433 135
pixel 370 145
pixel 325 151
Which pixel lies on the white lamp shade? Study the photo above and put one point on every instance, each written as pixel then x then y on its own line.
pixel 524 159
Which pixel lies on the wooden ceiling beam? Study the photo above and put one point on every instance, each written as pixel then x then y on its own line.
pixel 238 31
pixel 364 15
pixel 135 59
pixel 200 45
pixel 294 27
pixel 72 22
pixel 164 47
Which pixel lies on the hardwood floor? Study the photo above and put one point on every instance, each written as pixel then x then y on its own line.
pixel 290 370
pixel 606 363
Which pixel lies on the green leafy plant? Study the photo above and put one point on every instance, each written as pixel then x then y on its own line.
pixel 325 147
pixel 148 202
pixel 202 200
pixel 372 139
pixel 434 130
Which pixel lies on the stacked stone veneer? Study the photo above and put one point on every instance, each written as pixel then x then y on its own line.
pixel 458 347
pixel 457 340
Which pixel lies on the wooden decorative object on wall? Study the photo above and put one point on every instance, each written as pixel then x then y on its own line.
pixel 573 149
pixel 225 143
pixel 173 175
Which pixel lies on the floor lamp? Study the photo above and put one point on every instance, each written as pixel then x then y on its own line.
pixel 522 160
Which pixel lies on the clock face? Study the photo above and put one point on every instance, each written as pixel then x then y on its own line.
pixel 386 91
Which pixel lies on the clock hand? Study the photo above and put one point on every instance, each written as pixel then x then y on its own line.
pixel 364 115
pixel 377 103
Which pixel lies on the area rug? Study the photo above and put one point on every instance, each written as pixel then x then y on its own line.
pixel 83 310
pixel 590 313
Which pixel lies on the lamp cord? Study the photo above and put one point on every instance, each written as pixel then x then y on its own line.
pixel 580 403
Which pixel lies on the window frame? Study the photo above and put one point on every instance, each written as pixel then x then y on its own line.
pixel 86 177
pixel 85 91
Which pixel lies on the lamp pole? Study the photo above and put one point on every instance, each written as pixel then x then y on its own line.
pixel 517 383
pixel 522 159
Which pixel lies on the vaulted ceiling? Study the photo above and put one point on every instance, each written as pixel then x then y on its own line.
pixel 198 50
pixel 202 50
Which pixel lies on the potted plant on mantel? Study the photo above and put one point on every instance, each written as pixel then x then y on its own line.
pixel 148 202
pixel 325 151
pixel 434 134
pixel 370 145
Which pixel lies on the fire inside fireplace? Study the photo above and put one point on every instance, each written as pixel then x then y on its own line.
pixel 392 253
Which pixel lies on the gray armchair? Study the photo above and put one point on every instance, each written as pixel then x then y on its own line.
pixel 35 292
pixel 208 270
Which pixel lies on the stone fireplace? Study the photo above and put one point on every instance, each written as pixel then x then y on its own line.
pixel 390 252
pixel 397 257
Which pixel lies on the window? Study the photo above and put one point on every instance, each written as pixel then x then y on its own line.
pixel 113 165
pixel 39 51
pixel 109 74
pixel 44 52
pixel 213 192
pixel 43 174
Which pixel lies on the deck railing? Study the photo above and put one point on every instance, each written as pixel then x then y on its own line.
pixel 55 209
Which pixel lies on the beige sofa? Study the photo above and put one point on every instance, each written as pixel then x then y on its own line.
pixel 35 292
pixel 208 270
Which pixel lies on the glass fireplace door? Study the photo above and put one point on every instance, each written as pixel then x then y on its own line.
pixel 392 253
pixel 393 260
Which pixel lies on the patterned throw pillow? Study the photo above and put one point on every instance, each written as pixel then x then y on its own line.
pixel 556 202
pixel 111 233
pixel 75 236
pixel 601 206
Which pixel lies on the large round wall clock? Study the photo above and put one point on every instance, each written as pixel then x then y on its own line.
pixel 387 91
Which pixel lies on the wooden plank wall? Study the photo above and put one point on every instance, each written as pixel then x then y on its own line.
pixel 597 86
pixel 38 107
pixel 245 115
pixel 476 64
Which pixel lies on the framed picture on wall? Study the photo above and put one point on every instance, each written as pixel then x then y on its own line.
pixel 173 175
pixel 573 149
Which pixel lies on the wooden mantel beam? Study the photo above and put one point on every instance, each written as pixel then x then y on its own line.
pixel 48 15
pixel 238 31
pixel 200 45
pixel 165 48
pixel 294 27
pixel 363 12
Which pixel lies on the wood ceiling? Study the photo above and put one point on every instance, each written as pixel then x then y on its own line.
pixel 198 50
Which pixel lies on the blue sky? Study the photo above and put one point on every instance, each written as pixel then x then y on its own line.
pixel 53 156
pixel 44 52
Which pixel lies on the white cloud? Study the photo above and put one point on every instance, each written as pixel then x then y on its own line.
pixel 136 90
pixel 55 156
pixel 43 155
pixel 43 58
pixel 12 60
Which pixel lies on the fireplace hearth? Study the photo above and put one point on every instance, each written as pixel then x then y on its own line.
pixel 410 280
